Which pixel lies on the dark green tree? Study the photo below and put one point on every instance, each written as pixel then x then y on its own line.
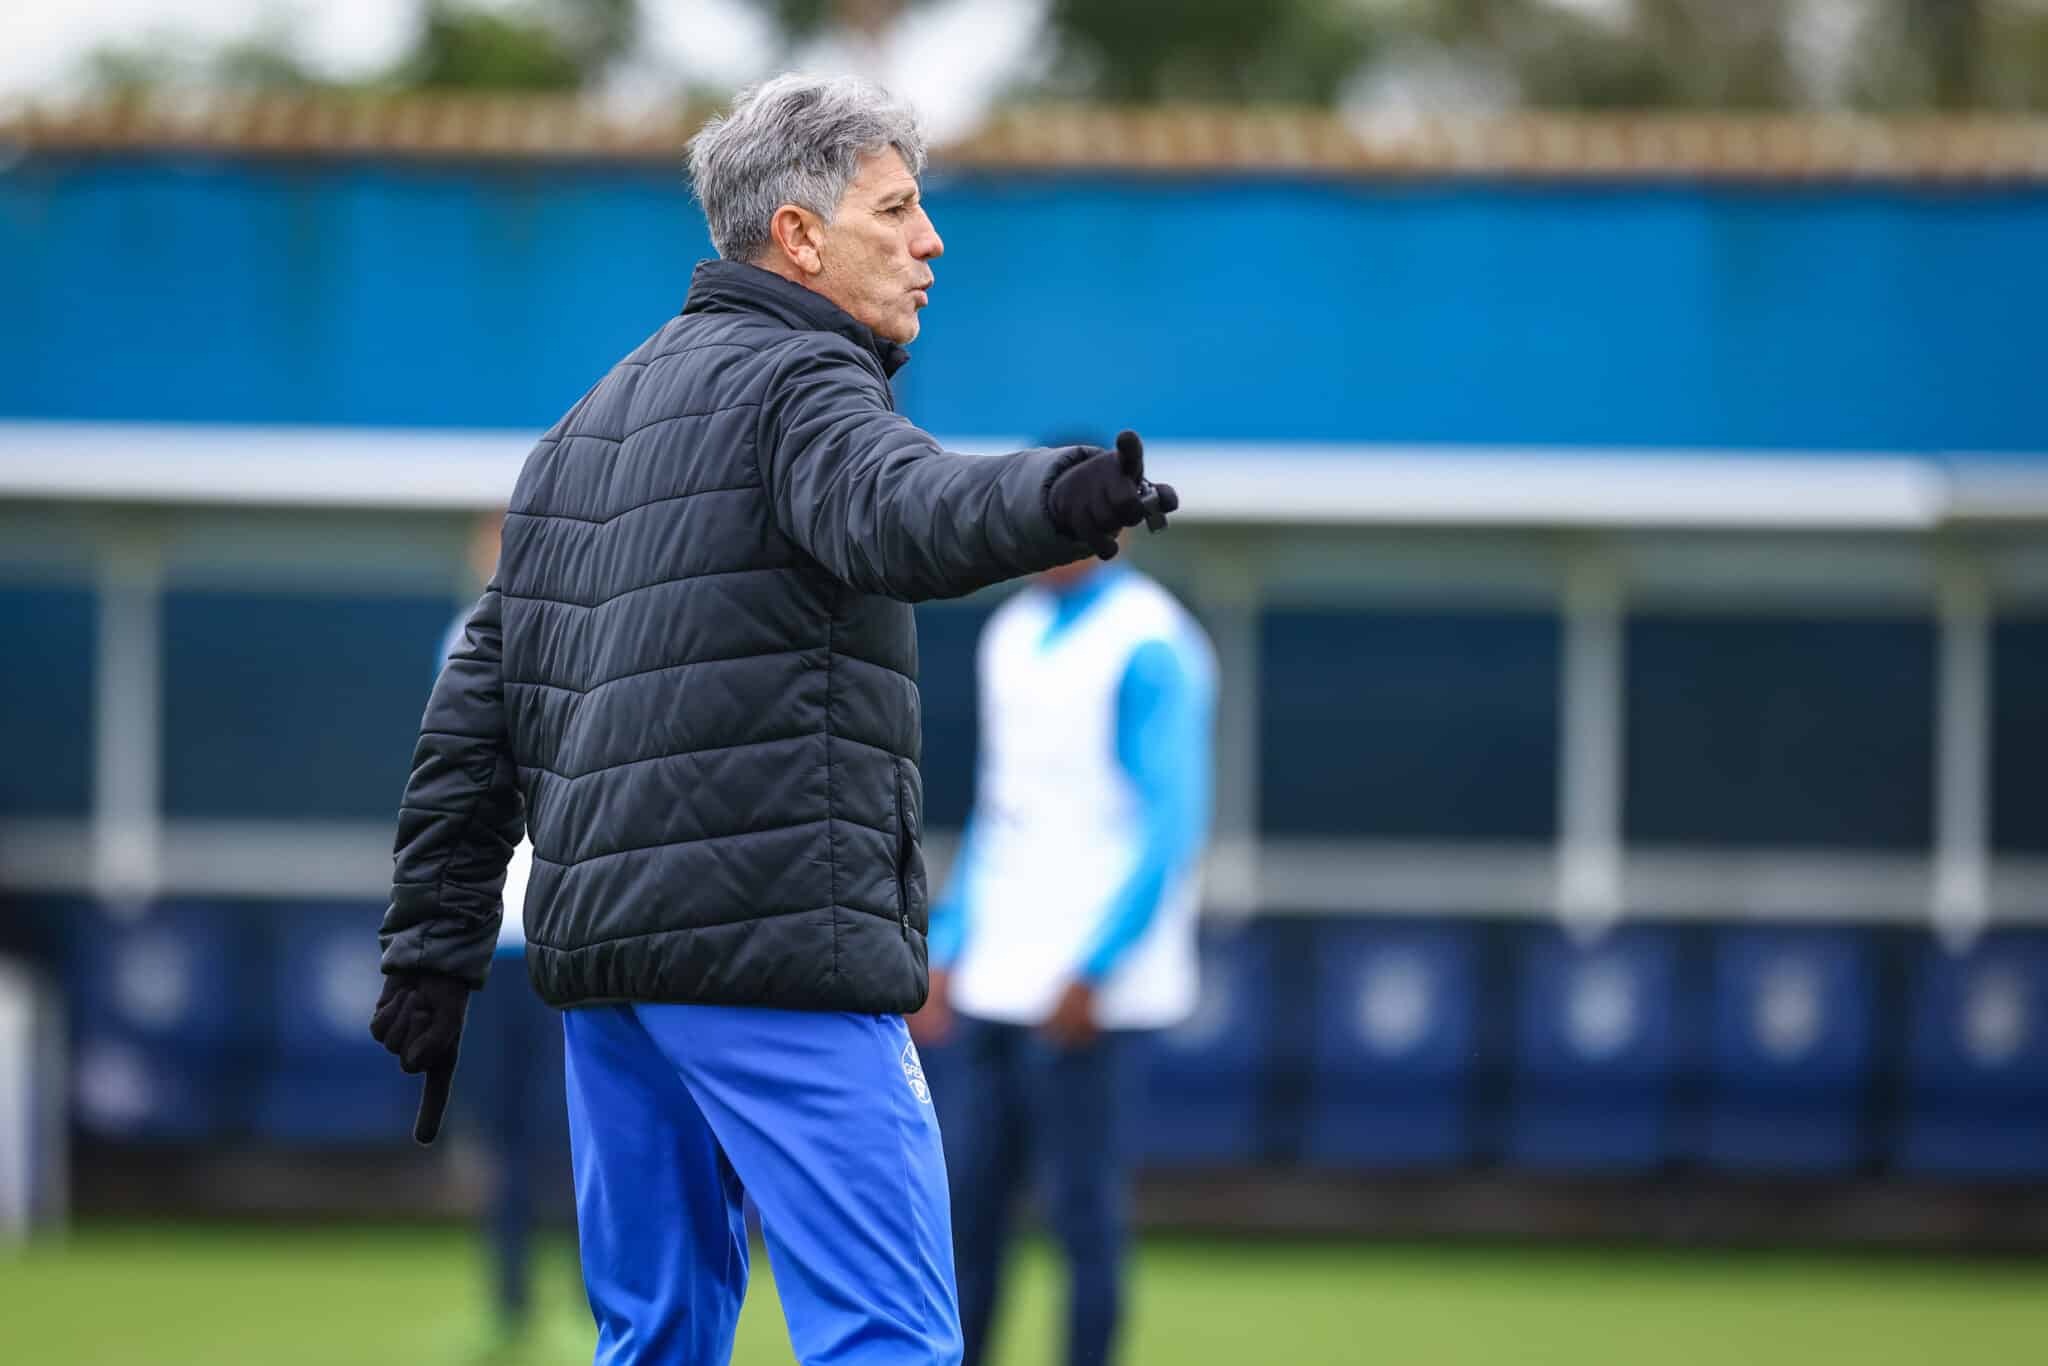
pixel 1660 54
pixel 1719 54
pixel 264 60
pixel 554 45
pixel 1289 51
pixel 799 19
pixel 1926 55
pixel 1905 56
pixel 121 69
pixel 544 45
pixel 1296 51
pixel 1950 35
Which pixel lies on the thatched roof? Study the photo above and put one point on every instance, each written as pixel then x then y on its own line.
pixel 1187 140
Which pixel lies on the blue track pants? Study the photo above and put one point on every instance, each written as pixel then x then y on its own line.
pixel 825 1120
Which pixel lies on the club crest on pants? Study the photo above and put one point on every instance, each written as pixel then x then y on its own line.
pixel 913 1072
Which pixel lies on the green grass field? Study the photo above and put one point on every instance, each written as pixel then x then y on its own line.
pixel 173 1296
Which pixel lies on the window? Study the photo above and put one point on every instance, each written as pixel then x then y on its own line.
pixel 46 701
pixel 1780 732
pixel 294 706
pixel 946 641
pixel 2019 736
pixel 1408 725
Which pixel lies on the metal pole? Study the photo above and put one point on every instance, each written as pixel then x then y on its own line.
pixel 127 808
pixel 1228 582
pixel 1962 794
pixel 1589 776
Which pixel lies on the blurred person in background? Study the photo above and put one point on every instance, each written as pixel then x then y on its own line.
pixel 1068 924
pixel 692 681
pixel 520 1046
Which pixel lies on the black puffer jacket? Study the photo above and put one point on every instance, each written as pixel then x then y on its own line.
pixel 694 679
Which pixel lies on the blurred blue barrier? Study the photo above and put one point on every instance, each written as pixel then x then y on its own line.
pixel 131 1090
pixel 1597 1048
pixel 165 1011
pixel 1977 1062
pixel 328 1081
pixel 1791 1050
pixel 1356 1043
pixel 1203 1079
pixel 1392 1058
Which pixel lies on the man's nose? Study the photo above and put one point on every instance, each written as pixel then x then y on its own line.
pixel 927 244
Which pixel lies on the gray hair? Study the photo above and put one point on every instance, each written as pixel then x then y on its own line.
pixel 793 140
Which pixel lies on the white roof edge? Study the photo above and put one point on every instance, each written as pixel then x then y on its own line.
pixel 1999 489
pixel 1278 483
pixel 232 464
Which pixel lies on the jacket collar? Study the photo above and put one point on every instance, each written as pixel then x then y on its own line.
pixel 736 287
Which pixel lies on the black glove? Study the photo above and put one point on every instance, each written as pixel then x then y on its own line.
pixel 419 1018
pixel 1105 491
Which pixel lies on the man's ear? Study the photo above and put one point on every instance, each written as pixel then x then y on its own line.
pixel 800 236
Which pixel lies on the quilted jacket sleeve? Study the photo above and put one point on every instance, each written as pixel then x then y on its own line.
pixel 461 817
pixel 879 504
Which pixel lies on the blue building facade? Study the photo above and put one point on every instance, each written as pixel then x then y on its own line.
pixel 1823 318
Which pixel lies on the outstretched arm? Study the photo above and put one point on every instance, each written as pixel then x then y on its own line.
pixel 882 507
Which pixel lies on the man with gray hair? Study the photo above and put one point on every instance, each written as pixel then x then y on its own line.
pixel 692 683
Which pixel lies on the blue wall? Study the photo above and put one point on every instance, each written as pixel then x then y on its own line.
pixel 1824 318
